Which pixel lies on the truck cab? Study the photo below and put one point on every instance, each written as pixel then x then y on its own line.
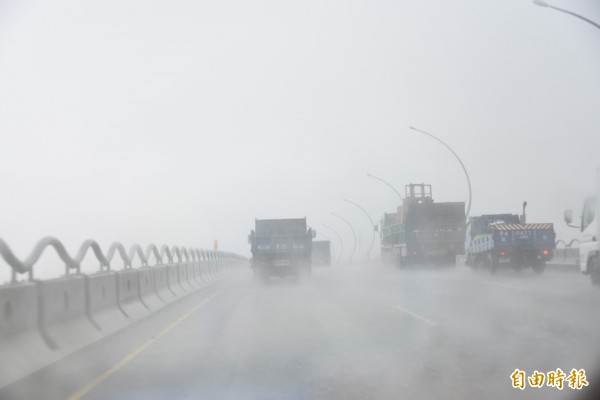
pixel 589 246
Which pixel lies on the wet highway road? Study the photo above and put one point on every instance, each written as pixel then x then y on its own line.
pixel 359 332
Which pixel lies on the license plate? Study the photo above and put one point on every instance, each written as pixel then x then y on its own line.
pixel 282 263
pixel 504 260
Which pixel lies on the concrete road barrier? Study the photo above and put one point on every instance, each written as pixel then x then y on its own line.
pixel 147 289
pixel 60 300
pixel 200 272
pixel 570 266
pixel 102 308
pixel 174 280
pixel 184 276
pixel 193 277
pixel 43 321
pixel 161 282
pixel 101 291
pixel 18 308
pixel 129 297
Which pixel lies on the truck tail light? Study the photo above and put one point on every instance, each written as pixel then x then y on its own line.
pixel 545 252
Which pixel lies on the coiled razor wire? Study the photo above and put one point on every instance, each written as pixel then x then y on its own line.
pixel 74 263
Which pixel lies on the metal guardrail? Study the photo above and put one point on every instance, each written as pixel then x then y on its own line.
pixel 567 245
pixel 567 252
pixel 74 263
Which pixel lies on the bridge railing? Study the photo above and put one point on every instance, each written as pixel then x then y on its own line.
pixel 51 318
pixel 565 251
pixel 72 264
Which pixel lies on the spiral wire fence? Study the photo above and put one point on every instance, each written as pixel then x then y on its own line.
pixel 163 256
pixel 567 247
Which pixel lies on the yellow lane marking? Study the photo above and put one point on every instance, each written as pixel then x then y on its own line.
pixel 428 321
pixel 129 357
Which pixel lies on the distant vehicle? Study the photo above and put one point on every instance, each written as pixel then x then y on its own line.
pixel 281 247
pixel 499 240
pixel 423 231
pixel 589 246
pixel 321 252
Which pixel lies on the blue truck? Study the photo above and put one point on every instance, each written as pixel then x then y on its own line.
pixel 506 240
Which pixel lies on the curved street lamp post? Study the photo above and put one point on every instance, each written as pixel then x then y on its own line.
pixel 459 160
pixel 388 184
pixel 341 242
pixel 353 233
pixel 372 226
pixel 548 5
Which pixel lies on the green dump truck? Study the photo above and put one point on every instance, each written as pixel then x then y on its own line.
pixel 281 247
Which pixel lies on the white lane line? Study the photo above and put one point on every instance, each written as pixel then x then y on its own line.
pixel 428 321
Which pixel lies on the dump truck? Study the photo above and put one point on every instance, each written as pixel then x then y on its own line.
pixel 321 252
pixel 507 240
pixel 423 231
pixel 281 247
pixel 392 238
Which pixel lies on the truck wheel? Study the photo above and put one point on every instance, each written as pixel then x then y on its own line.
pixel 538 266
pixel 595 277
pixel 595 271
pixel 451 260
pixel 400 262
pixel 260 276
pixel 476 263
pixel 491 264
pixel 303 274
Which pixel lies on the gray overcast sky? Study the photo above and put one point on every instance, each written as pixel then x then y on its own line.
pixel 179 122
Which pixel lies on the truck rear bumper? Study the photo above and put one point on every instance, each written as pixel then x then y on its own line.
pixel 280 271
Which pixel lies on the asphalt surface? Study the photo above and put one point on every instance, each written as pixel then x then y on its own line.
pixel 353 332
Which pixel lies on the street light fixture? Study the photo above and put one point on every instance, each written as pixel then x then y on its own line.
pixel 548 5
pixel 459 160
pixel 353 233
pixel 372 226
pixel 341 242
pixel 388 184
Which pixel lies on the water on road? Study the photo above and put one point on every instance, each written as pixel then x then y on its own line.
pixel 352 332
